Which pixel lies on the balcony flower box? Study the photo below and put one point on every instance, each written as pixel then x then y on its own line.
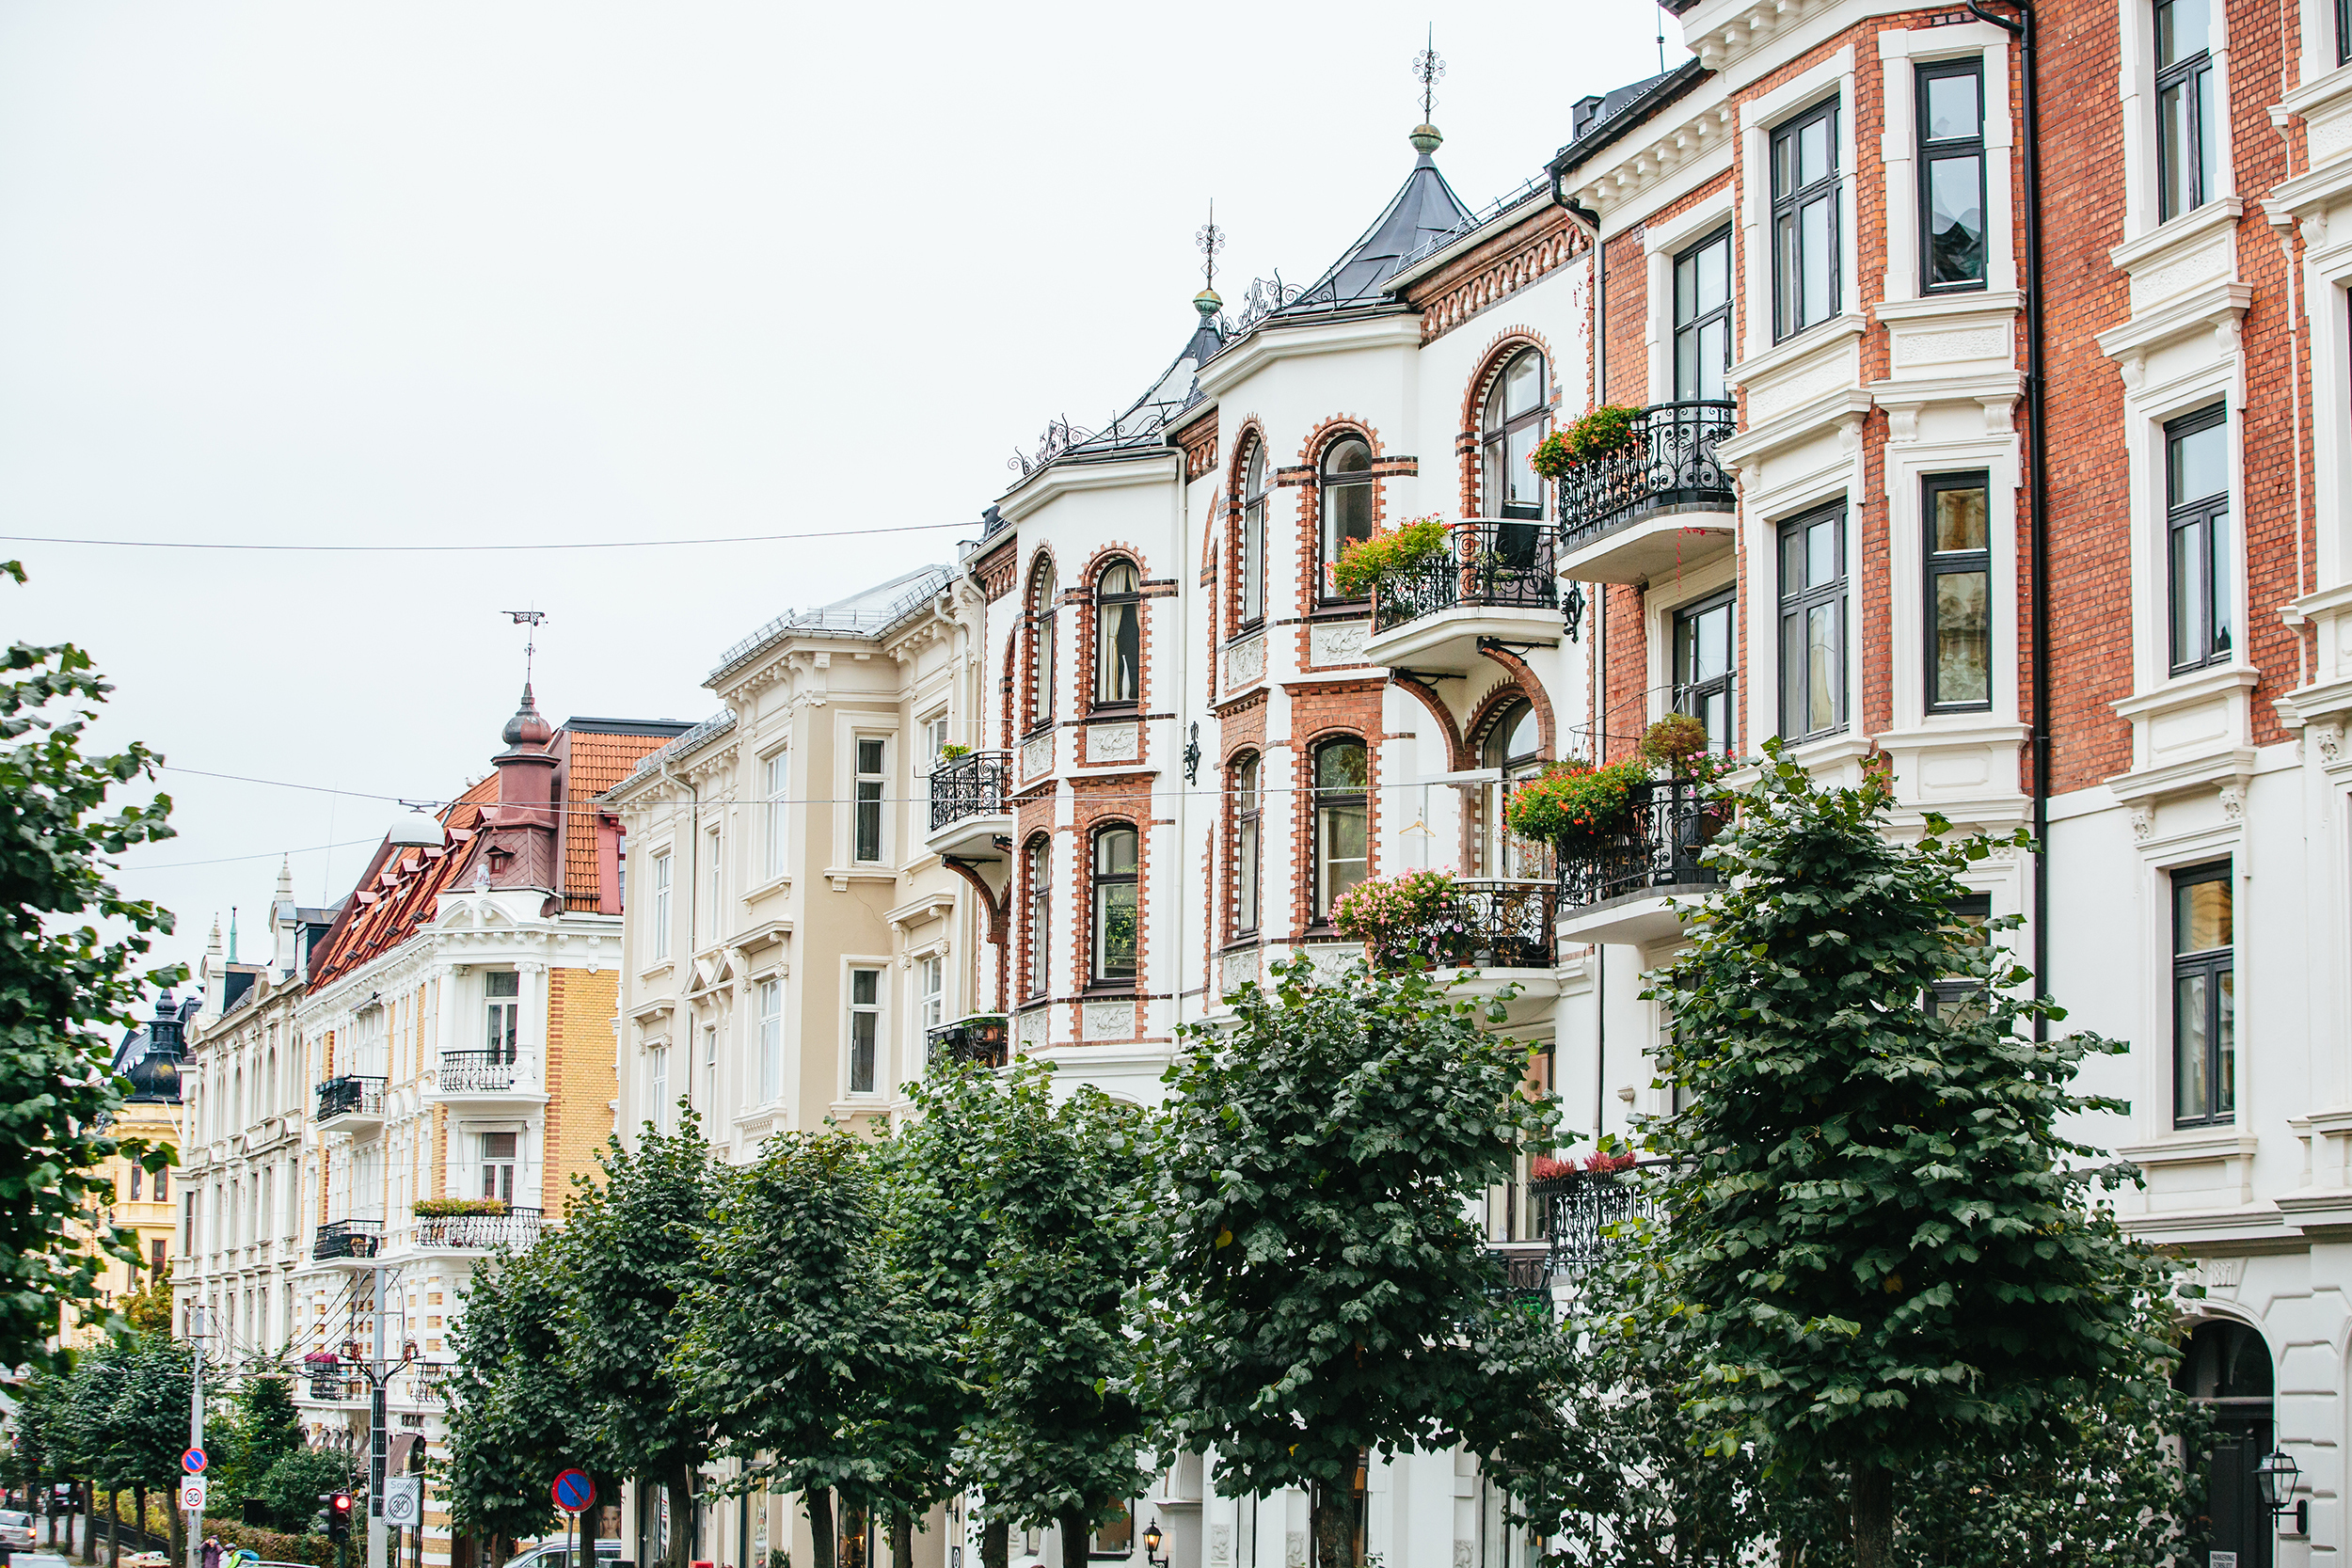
pixel 442 1207
pixel 1364 564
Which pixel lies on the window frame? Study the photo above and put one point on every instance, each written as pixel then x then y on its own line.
pixel 1042 592
pixel 509 1006
pixel 2201 514
pixel 2210 965
pixel 2344 32
pixel 1793 605
pixel 1494 437
pixel 1100 975
pixel 931 991
pixel 1132 601
pixel 2182 72
pixel 869 792
pixel 1936 565
pixel 770 1040
pixel 1327 489
pixel 1247 774
pixel 1037 866
pixel 1786 307
pixel 853 1011
pixel 1320 803
pixel 1686 692
pixel 1926 154
pixel 490 1165
pixel 1974 908
pixel 660 912
pixel 1678 328
pixel 776 774
pixel 1256 470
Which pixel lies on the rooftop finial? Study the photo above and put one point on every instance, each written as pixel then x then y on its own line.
pixel 1427 68
pixel 530 643
pixel 1211 239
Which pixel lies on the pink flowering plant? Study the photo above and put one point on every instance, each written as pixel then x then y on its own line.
pixel 1416 918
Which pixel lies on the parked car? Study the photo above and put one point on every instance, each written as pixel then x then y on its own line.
pixel 550 1555
pixel 16 1530
pixel 147 1559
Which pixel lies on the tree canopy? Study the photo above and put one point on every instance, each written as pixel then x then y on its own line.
pixel 517 1412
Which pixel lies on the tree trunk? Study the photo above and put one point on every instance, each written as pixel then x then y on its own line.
pixel 995 1544
pixel 114 1527
pixel 138 1500
pixel 819 1502
pixel 901 1538
pixel 680 1487
pixel 1074 1540
pixel 90 1527
pixel 1874 1497
pixel 1331 1514
pixel 176 1527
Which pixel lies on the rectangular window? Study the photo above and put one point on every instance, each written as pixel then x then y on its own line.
pixel 137 1182
pixel 934 740
pixel 718 885
pixel 2344 32
pixel 1116 869
pixel 770 1041
pixel 658 1087
pixel 1702 667
pixel 931 990
pixel 163 1186
pixel 661 906
pixel 1956 999
pixel 1951 175
pixel 711 1069
pixel 2198 544
pixel 1958 511
pixel 1040 917
pixel 777 772
pixel 2187 126
pixel 1248 824
pixel 498 1165
pixel 502 989
pixel 870 781
pixel 1813 624
pixel 2204 997
pixel 1703 318
pixel 1115 1537
pixel 864 1029
pixel 1804 221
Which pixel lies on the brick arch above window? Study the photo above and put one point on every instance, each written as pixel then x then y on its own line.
pixel 1042 565
pixel 1089 623
pixel 1307 476
pixel 1522 682
pixel 1500 350
pixel 1455 751
pixel 1247 442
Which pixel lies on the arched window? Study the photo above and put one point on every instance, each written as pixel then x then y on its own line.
pixel 1041 647
pixel 1039 916
pixel 1253 536
pixel 1346 501
pixel 1115 890
pixel 1518 409
pixel 1343 809
pixel 2226 1368
pixel 1247 828
pixel 1514 744
pixel 1118 636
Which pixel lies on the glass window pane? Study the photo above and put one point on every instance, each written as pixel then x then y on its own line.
pixel 2225 1043
pixel 1246 870
pixel 1813 154
pixel 1714 644
pixel 1525 488
pixel 1687 288
pixel 1715 270
pixel 2172 150
pixel 861 1052
pixel 1523 385
pixel 1686 364
pixel 1819 257
pixel 1964 663
pixel 1960 520
pixel 2217 581
pixel 1341 766
pixel 1116 852
pixel 2191 1048
pixel 863 984
pixel 869 756
pixel 1955 220
pixel 1347 514
pixel 1714 359
pixel 2201 915
pixel 1349 457
pixel 2201 464
pixel 2188 643
pixel 1784 165
pixel 1792 561
pixel 1340 851
pixel 1791 674
pixel 1820 552
pixel 1952 110
pixel 2184 27
pixel 1787 280
pixel 1115 930
pixel 1821 668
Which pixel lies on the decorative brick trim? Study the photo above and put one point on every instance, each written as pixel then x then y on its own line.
pixel 1456 750
pixel 1530 687
pixel 1499 352
pixel 997 570
pixel 1096 804
pixel 1309 568
pixel 1495 271
pixel 1320 713
pixel 1025 698
pixel 1036 822
pixel 1198 442
pixel 1225 604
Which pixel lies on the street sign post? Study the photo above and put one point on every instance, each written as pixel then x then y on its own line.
pixel 574 1492
pixel 193 1461
pixel 192 1494
pixel 403 1502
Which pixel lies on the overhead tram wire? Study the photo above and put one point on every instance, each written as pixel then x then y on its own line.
pixel 421 549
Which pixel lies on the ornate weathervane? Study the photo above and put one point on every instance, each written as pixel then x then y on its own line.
pixel 1210 240
pixel 1427 68
pixel 530 640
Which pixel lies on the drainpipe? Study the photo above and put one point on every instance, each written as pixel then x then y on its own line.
pixel 2037 492
pixel 1177 568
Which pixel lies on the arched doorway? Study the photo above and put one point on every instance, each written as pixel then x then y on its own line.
pixel 2226 1367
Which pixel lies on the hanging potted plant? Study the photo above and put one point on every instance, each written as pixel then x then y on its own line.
pixel 1415 917
pixel 1365 564
pixel 1605 432
pixel 1574 806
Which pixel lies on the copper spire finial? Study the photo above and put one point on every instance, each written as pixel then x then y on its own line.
pixel 1211 239
pixel 1427 68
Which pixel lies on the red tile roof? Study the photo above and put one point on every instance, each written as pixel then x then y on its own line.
pixel 594 761
pixel 396 894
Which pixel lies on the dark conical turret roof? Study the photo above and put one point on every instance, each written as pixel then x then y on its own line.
pixel 1424 209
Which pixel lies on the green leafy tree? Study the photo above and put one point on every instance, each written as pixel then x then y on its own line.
pixel 292 1488
pixel 796 1347
pixel 516 1405
pixel 64 990
pixel 634 1240
pixel 1325 1293
pixel 148 1308
pixel 125 1414
pixel 259 1429
pixel 1882 1248
pixel 1064 1417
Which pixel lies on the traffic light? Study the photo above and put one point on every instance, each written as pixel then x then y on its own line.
pixel 338 1516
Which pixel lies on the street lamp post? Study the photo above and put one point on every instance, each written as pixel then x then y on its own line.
pixel 2275 1476
pixel 1152 1546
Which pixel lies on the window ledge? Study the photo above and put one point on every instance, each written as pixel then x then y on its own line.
pixel 2156 247
pixel 1967 302
pixel 2191 1144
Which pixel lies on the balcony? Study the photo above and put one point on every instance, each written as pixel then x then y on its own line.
pixel 515 1228
pixel 330 1387
pixel 428 1381
pixel 1495 582
pixel 351 1104
pixel 1664 502
pixel 1526 1270
pixel 1617 891
pixel 981 1041
pixel 347 1241
pixel 968 810
pixel 1582 1212
pixel 1499 934
pixel 486 1075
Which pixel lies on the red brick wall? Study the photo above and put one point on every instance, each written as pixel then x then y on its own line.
pixel 1319 713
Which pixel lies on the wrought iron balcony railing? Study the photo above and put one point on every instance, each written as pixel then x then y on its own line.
pixel 329 1385
pixel 428 1381
pixel 1527 1270
pixel 1581 1212
pixel 1668 823
pixel 1669 462
pixel 1485 925
pixel 476 1072
pixel 1504 564
pixel 971 785
pixel 979 1039
pixel 350 1094
pixel 516 1228
pixel 347 1238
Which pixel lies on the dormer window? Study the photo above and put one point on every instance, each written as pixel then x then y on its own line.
pixel 1517 412
pixel 1346 501
pixel 1118 636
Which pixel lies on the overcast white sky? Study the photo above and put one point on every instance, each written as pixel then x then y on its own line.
pixel 515 272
